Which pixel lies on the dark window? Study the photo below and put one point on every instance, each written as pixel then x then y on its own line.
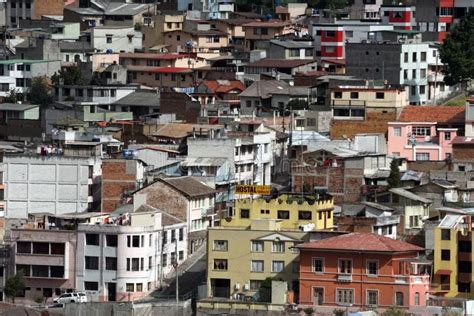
pixel 91 286
pixel 464 287
pixel 92 263
pixel 304 215
pixel 110 263
pixel 337 94
pixel 465 246
pixel 25 269
pixel 57 271
pixel 40 271
pixel 57 248
pixel 283 214
pixel 41 248
pixel 330 33
pixel 111 240
pixel 380 95
pixel 135 264
pixel 465 266
pixel 445 255
pixel 181 234
pixel 354 95
pixel 173 235
pixel 244 213
pixel 399 299
pixel 136 241
pixel 23 247
pixel 92 239
pixel 445 234
pixel 165 237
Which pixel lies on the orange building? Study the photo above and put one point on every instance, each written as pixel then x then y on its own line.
pixel 362 270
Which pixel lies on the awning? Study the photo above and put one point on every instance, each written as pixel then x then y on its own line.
pixel 444 272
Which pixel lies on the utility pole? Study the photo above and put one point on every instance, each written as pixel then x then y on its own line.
pixel 176 270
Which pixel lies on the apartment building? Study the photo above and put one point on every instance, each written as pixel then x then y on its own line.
pixel 259 33
pixel 290 49
pixel 127 256
pixel 116 39
pixel 401 16
pixel 364 109
pixel 239 259
pixel 154 33
pixel 425 134
pixel 452 275
pixel 18 10
pixel 406 62
pixel 186 198
pixel 293 211
pixel 362 270
pixel 50 183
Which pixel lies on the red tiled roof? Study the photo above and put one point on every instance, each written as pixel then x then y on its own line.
pixel 218 87
pixel 355 242
pixel 156 56
pixel 172 69
pixel 271 23
pixel 334 61
pixel 433 113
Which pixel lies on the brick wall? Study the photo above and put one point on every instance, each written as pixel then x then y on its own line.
pixel 181 105
pixel 163 197
pixel 355 224
pixel 375 122
pixel 47 7
pixel 117 178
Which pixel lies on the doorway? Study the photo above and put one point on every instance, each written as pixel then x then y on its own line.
pixel 111 291
pixel 318 296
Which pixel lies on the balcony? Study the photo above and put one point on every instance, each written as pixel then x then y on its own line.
pixel 344 277
pixel 207 211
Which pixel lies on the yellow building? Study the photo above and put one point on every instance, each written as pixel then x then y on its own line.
pixel 239 259
pixel 292 211
pixel 453 260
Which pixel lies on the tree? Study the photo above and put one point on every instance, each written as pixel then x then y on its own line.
pixel 297 104
pixel 457 52
pixel 14 95
pixel 69 76
pixel 394 177
pixel 14 286
pixel 329 4
pixel 39 92
pixel 265 290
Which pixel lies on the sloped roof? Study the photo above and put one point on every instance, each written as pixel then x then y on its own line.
pixel 263 88
pixel 270 23
pixel 140 98
pixel 280 63
pixel 432 113
pixel 189 186
pixel 410 195
pixel 356 242
pixel 224 86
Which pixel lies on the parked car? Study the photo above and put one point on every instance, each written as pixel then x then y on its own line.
pixel 82 297
pixel 67 298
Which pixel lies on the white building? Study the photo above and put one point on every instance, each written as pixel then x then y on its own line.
pixel 54 184
pixel 129 254
pixel 116 39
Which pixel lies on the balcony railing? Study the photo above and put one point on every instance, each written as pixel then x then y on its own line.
pixel 344 277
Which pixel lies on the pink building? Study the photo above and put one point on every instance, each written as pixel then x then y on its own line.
pixel 425 133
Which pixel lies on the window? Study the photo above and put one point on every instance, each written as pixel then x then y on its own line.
pixel 39 271
pixel 92 239
pixel 417 298
pixel 150 262
pixel 244 213
pixel 136 241
pixel 220 264
pixel 405 74
pixel 255 285
pixel 330 33
pixel 345 266
pixel 92 263
pixel 56 271
pixel 25 269
pixel 423 156
pixel 345 296
pixel 165 237
pixel 413 58
pixel 278 246
pixel 445 254
pixel 372 267
pixel 354 95
pixel 464 246
pixel 423 56
pixel 304 215
pixel 413 221
pixel 139 287
pixel 318 265
pixel 164 260
pixel 257 246
pixel 220 245
pixel 399 299
pixel 278 266
pixel 23 247
pixel 372 297
pixel 413 74
pixel 422 73
pixel 110 263
pixel 181 255
pixel 422 89
pixel 349 34
pixel 447 136
pixel 130 287
pixel 256 266
pixel 91 286
pixel 329 49
pixel 380 95
pixel 421 131
pixel 338 95
pixel 41 248
pixel 181 234
pixel 173 236
pixel 109 39
pixel 397 131
pixel 405 57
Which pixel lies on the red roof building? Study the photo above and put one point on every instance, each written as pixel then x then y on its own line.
pixel 362 270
